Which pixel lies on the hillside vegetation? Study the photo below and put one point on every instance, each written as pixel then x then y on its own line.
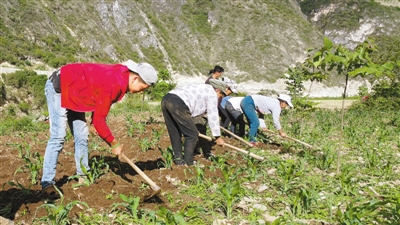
pixel 256 40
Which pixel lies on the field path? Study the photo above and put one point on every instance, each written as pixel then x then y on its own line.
pixel 333 104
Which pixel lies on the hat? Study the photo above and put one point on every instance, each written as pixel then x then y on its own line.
pixel 217 84
pixel 286 98
pixel 145 71
pixel 231 84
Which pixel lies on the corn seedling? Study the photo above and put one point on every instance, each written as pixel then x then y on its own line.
pixel 5 211
pixel 372 157
pixel 58 214
pixel 156 136
pixel 131 204
pixel 231 191
pixel 288 170
pixel 356 213
pixel 324 161
pixel 346 180
pixel 168 155
pixel 97 169
pixel 301 202
pixel 33 163
pixel 145 144
pixel 23 192
pixel 184 216
pixel 251 170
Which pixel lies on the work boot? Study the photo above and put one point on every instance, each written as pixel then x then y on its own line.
pixel 51 192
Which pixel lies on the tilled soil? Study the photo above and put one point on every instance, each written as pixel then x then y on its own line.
pixel 22 201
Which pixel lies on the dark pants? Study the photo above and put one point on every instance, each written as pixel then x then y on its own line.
pixel 205 145
pixel 179 122
pixel 237 119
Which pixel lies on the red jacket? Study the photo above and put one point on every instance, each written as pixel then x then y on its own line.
pixel 89 87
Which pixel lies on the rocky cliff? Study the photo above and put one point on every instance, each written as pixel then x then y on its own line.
pixel 255 41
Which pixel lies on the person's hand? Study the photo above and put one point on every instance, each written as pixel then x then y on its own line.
pixel 93 130
pixel 220 141
pixel 282 134
pixel 117 150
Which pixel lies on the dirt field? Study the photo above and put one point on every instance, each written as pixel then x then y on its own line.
pixel 22 197
pixel 24 200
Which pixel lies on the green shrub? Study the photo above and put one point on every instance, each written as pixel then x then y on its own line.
pixel 162 87
pixel 24 107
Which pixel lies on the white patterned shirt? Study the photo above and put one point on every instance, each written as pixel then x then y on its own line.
pixel 201 98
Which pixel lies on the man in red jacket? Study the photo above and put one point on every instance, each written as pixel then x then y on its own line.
pixel 87 87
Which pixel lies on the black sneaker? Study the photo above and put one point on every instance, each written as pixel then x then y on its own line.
pixel 51 192
pixel 179 162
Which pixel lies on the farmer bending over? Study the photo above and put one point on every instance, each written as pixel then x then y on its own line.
pixel 179 107
pixel 264 105
pixel 87 87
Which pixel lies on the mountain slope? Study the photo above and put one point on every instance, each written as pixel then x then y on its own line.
pixel 253 40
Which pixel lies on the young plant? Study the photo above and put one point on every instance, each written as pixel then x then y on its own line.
pixel 5 211
pixel 288 170
pixel 231 191
pixel 145 144
pixel 183 216
pixel 356 213
pixel 346 179
pixel 58 214
pixel 168 155
pixel 97 169
pixel 22 193
pixel 156 136
pixel 131 204
pixel 324 161
pixel 301 202
pixel 33 163
pixel 134 127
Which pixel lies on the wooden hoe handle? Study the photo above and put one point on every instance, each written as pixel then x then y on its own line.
pixel 237 137
pixel 153 185
pixel 235 148
pixel 293 139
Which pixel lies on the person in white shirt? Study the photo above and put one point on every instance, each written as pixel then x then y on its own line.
pixel 264 105
pixel 180 105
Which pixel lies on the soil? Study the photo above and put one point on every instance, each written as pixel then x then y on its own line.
pixel 25 200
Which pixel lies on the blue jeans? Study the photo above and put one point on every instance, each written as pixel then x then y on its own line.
pixel 249 110
pixel 58 123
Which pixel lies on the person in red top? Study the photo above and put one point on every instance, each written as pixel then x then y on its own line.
pixel 87 87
